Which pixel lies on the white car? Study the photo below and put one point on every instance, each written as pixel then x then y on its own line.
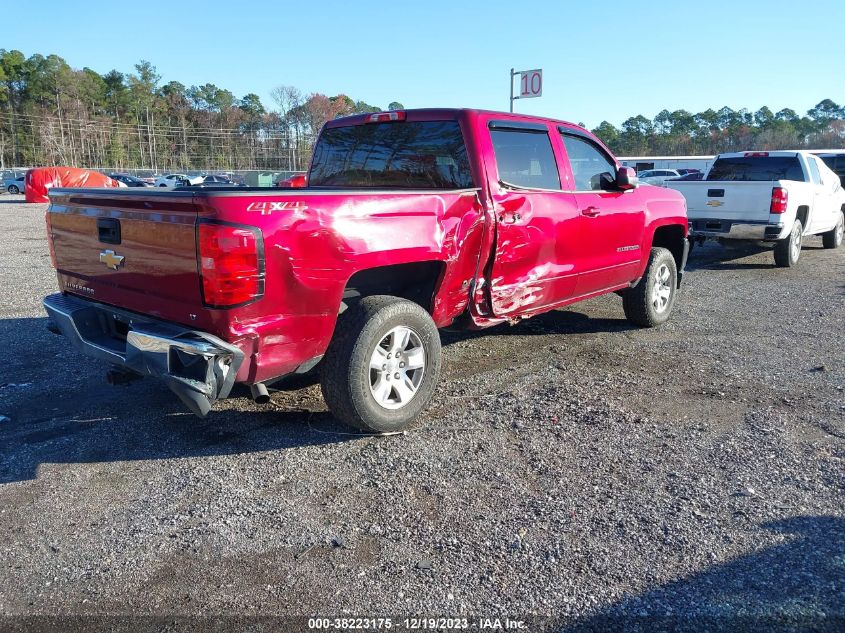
pixel 657 176
pixel 775 197
pixel 14 185
pixel 177 180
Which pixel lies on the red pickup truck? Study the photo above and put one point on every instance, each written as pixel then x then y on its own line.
pixel 410 221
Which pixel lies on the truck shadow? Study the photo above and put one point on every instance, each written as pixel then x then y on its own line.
pixel 563 321
pixel 57 408
pixel 796 586
pixel 713 256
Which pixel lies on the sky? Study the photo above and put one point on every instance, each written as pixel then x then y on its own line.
pixel 600 60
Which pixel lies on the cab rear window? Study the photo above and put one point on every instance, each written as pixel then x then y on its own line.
pixel 394 155
pixel 757 168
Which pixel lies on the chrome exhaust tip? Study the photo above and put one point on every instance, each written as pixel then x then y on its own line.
pixel 259 393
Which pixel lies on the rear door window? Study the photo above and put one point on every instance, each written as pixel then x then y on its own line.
pixel 757 168
pixel 525 158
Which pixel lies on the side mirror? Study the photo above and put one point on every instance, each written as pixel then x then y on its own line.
pixel 603 182
pixel 626 178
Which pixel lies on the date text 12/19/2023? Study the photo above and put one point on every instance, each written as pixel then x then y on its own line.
pixel 417 624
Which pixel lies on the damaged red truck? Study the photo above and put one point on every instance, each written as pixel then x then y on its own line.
pixel 410 221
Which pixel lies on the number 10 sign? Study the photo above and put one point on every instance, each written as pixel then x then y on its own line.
pixel 530 84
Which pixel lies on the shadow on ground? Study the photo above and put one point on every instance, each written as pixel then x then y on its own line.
pixel 797 586
pixel 61 411
pixel 713 256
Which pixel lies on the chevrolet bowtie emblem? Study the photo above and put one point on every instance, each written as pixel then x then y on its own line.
pixel 714 203
pixel 111 260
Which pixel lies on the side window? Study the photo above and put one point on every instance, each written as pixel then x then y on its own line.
pixel 815 176
pixel 588 162
pixel 525 158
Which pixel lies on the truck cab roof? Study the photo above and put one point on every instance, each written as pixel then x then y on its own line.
pixel 422 114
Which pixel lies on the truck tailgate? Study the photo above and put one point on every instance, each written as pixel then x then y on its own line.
pixel 133 250
pixel 726 200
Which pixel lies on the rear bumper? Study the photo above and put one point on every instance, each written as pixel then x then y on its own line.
pixel 736 230
pixel 198 367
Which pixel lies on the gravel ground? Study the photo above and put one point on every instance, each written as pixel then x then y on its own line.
pixel 572 470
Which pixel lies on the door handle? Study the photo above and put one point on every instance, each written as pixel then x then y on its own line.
pixel 590 212
pixel 510 218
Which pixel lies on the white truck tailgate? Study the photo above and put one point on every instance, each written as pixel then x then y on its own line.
pixel 727 200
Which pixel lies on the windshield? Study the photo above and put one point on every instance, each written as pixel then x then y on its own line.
pixel 757 168
pixel 406 155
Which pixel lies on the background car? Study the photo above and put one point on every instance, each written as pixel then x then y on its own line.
pixel 296 181
pixel 211 182
pixel 177 180
pixel 686 172
pixel 657 176
pixel 220 180
pixel 130 181
pixel 695 175
pixel 14 185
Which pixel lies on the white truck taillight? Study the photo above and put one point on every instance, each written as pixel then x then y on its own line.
pixel 780 197
pixel 231 264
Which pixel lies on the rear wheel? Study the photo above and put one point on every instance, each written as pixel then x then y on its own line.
pixel 382 365
pixel 833 238
pixel 788 250
pixel 650 302
pixel 14 189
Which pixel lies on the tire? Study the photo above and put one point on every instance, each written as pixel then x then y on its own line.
pixel 650 302
pixel 368 398
pixel 788 250
pixel 833 238
pixel 13 189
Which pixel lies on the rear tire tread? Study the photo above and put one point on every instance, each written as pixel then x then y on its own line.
pixel 783 248
pixel 833 239
pixel 350 405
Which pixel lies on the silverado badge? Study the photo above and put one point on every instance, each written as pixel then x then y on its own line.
pixel 714 203
pixel 112 260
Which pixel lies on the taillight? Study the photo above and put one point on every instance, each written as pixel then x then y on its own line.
pixel 385 117
pixel 231 263
pixel 50 239
pixel 779 200
pixel 756 154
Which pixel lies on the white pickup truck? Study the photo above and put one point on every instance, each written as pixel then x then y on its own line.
pixel 775 197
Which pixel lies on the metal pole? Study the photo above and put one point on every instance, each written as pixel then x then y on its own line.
pixel 511 102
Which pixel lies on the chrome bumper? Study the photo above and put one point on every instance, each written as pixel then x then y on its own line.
pixel 730 229
pixel 198 367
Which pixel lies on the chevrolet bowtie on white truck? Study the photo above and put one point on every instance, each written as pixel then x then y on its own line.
pixel 772 197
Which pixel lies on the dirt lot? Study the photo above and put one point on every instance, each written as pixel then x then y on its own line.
pixel 570 467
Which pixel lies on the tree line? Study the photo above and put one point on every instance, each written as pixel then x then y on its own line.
pixel 52 114
pixel 681 133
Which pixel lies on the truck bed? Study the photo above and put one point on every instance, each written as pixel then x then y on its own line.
pixel 312 242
